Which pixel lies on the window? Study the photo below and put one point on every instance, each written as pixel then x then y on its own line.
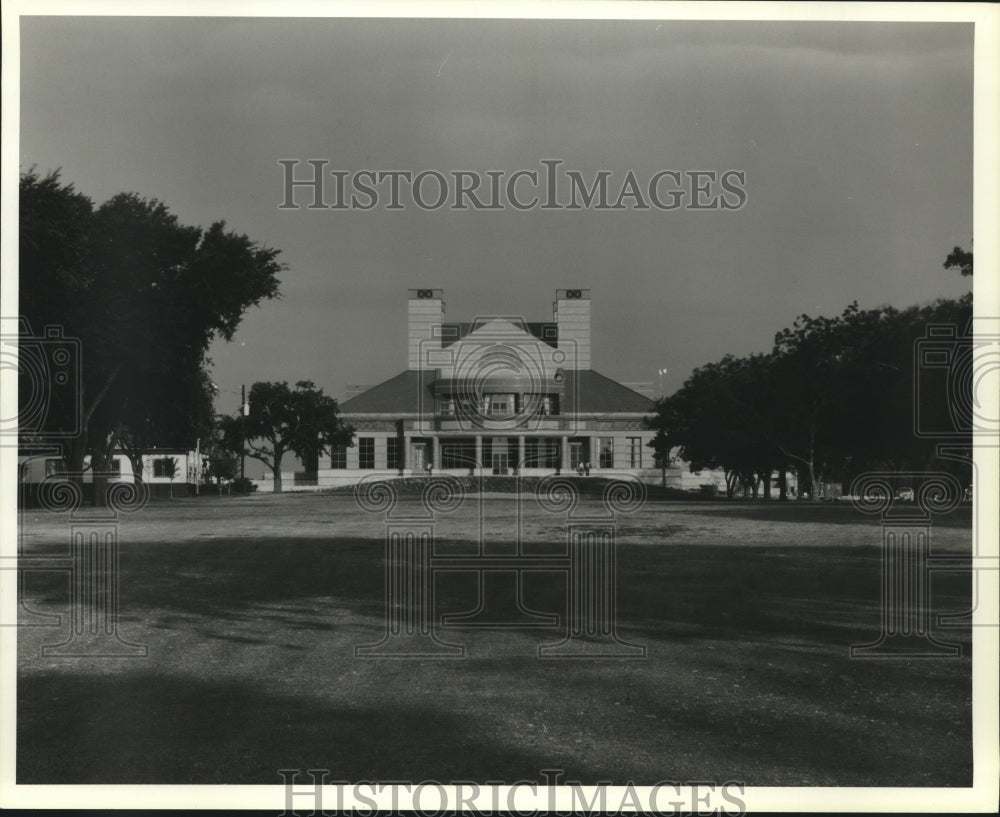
pixel 550 404
pixel 458 454
pixel 165 467
pixel 366 452
pixel 394 453
pixel 499 405
pixel 531 452
pixel 606 445
pixel 115 466
pixel 550 456
pixel 54 466
pixel 635 452
pixel 338 456
pixel 447 407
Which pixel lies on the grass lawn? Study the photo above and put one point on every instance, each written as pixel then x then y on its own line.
pixel 251 608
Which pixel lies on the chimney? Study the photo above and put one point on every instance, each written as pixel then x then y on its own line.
pixel 426 314
pixel 571 312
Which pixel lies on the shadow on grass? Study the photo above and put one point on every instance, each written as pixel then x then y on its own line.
pixel 837 513
pixel 828 596
pixel 748 676
pixel 224 578
pixel 145 728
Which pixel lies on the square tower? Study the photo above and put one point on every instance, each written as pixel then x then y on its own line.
pixel 571 312
pixel 426 314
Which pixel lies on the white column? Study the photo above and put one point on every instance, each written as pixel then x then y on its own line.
pixel 520 453
pixel 479 454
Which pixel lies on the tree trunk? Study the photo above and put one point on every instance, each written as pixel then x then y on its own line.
pixel 134 451
pixel 137 464
pixel 730 484
pixel 812 481
pixel 276 473
pixel 782 484
pixel 76 451
pixel 80 444
pixel 766 479
pixel 812 462
pixel 99 459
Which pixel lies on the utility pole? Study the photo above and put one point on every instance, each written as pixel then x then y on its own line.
pixel 244 411
pixel 663 454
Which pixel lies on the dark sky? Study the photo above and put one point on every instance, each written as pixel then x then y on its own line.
pixel 856 141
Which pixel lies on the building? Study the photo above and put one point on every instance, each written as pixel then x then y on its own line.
pixel 496 395
pixel 164 471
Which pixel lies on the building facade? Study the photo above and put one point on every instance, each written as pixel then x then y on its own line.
pixel 164 471
pixel 497 395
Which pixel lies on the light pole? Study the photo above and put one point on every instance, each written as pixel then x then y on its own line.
pixel 663 454
pixel 244 411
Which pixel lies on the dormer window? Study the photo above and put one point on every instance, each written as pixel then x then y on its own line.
pixel 499 405
pixel 549 404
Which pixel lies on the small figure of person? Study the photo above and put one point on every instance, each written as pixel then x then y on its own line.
pixel 586 468
pixel 428 467
pixel 579 469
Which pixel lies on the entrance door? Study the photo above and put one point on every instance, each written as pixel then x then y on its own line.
pixel 576 454
pixel 418 456
pixel 500 463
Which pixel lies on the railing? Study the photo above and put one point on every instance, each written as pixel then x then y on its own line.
pixel 503 423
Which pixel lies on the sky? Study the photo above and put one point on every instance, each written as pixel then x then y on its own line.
pixel 855 140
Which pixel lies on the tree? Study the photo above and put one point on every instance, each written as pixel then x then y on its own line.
pixel 854 384
pixel 170 471
pixel 661 448
pixel 222 466
pixel 304 421
pixel 145 295
pixel 835 397
pixel 807 368
pixel 961 260
pixel 221 462
pixel 719 419
pixel 164 409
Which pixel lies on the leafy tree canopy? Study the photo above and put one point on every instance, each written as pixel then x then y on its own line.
pixel 145 295
pixel 302 420
pixel 834 397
